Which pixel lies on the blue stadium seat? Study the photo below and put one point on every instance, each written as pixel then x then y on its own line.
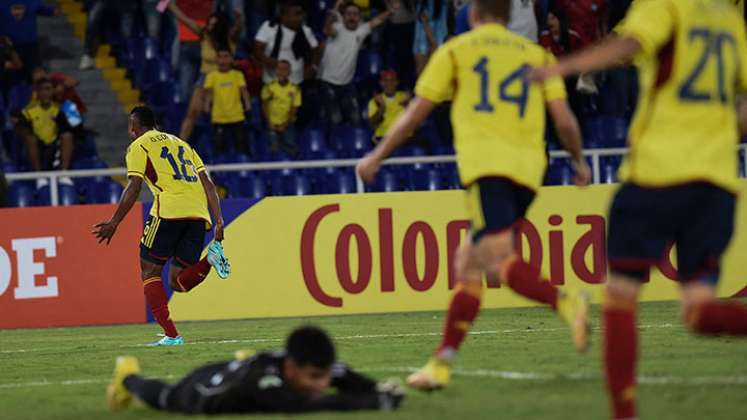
pixel 609 167
pixel 614 131
pixel 560 172
pixel 313 143
pixel 18 97
pixel 742 168
pixel 150 48
pixel 68 195
pixel 593 131
pixel 20 195
pixel 252 187
pixel 104 192
pixel 43 196
pixel 85 148
pixel 360 143
pixel 298 185
pixel 426 180
pixel 340 183
pixel 387 181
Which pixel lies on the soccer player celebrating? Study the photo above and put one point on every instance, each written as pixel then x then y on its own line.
pixel 680 179
pixel 499 124
pixel 295 379
pixel 182 191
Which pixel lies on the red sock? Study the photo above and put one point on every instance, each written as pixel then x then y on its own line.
pixel 159 305
pixel 620 355
pixel 722 317
pixel 527 281
pixel 462 312
pixel 193 275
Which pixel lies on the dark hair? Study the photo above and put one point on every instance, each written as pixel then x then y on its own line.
pixel 438 8
pixel 344 6
pixel 43 81
pixel 311 346
pixel 145 115
pixel 565 39
pixel 495 8
pixel 220 34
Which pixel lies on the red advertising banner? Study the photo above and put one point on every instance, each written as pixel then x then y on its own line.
pixel 53 273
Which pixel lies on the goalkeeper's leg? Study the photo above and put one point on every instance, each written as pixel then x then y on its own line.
pixel 150 391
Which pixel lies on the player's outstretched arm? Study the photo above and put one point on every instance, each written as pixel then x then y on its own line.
pixel 105 230
pixel 418 110
pixel 613 51
pixel 213 204
pixel 566 126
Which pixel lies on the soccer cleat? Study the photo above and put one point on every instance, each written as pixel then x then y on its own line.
pixel 168 341
pixel 117 396
pixel 218 259
pixel 573 309
pixel 434 375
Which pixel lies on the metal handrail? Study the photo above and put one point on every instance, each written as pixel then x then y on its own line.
pixel 53 176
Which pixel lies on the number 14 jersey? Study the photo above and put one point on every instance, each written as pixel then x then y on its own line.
pixel 170 167
pixel 692 63
pixel 498 117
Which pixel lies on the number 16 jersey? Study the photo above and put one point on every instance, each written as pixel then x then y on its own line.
pixel 171 169
pixel 693 61
pixel 498 117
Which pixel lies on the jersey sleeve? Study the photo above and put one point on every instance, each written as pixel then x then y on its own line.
pixel 373 108
pixel 296 97
pixel 650 22
pixel 240 81
pixel 436 84
pixel 136 159
pixel 553 88
pixel 209 81
pixel 266 93
pixel 197 161
pixel 347 381
pixel 742 51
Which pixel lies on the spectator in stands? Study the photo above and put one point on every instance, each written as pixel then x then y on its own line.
pixel 64 87
pixel 345 35
pixel 46 132
pixel 125 12
pixel 588 18
pixel 216 34
pixel 399 36
pixel 10 62
pixel 192 16
pixel 290 40
pixel 558 38
pixel 386 107
pixel 461 20
pixel 281 99
pixel 153 16
pixel 523 20
pixel 436 14
pixel 18 22
pixel 225 89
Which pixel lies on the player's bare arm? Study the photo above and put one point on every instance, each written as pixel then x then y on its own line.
pixel 566 126
pixel 213 204
pixel 106 230
pixel 742 115
pixel 609 53
pixel 415 114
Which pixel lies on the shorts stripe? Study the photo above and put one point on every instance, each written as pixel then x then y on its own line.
pixel 152 233
pixel 474 205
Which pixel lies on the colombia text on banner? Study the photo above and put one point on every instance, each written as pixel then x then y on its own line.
pixel 318 255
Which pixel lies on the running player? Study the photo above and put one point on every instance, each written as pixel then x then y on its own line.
pixel 499 124
pixel 179 218
pixel 295 379
pixel 680 179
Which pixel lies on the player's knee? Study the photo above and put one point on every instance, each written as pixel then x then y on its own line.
pixel 621 293
pixel 493 251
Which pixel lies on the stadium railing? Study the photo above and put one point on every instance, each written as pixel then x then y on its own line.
pixel 595 155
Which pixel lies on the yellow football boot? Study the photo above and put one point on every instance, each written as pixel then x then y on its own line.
pixel 434 375
pixel 573 309
pixel 117 396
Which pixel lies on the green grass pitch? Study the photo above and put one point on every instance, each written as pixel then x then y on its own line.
pixel 518 364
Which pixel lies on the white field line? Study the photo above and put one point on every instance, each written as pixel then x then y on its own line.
pixel 474 373
pixel 350 337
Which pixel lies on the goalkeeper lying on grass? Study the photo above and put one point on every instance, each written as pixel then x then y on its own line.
pixel 295 379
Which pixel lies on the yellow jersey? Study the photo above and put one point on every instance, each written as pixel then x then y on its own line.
pixel 692 63
pixel 43 121
pixel 170 167
pixel 740 5
pixel 280 100
pixel 498 117
pixel 227 107
pixel 393 107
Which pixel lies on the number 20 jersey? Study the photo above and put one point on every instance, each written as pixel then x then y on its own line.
pixel 692 64
pixel 170 167
pixel 498 117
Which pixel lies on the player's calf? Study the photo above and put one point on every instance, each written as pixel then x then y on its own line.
pixel 706 315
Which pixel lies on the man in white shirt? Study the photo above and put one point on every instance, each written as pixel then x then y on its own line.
pixel 523 21
pixel 345 36
pixel 291 40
